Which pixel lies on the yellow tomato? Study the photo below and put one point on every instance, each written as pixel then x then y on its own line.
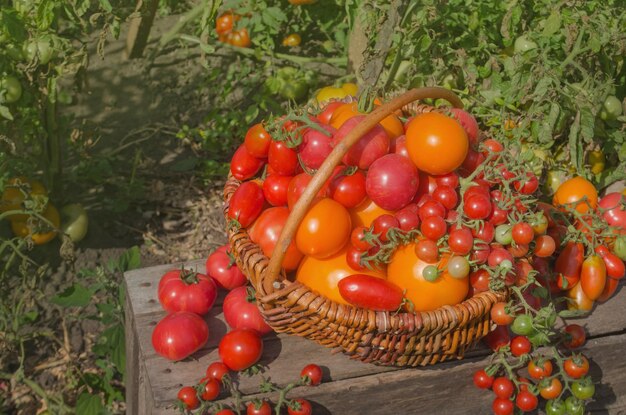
pixel 39 231
pixel 597 161
pixel 405 270
pixel 13 197
pixel 350 89
pixel 323 275
pixel 330 92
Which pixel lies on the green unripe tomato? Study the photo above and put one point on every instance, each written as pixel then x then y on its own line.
pixel 523 325
pixel 611 109
pixel 573 406
pixel 11 88
pixel 74 221
pixel 555 407
pixel 619 248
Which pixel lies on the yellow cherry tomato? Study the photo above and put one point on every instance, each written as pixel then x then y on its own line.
pixel 292 40
pixel 39 231
pixel 597 161
pixel 13 195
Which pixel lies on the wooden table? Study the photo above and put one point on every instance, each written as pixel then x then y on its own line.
pixel 349 387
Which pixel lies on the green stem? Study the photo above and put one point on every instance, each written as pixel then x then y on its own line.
pixel 54 141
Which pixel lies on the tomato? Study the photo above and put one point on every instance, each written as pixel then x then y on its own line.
pixel 10 89
pixel 614 209
pixel 239 38
pixel 544 246
pixel 365 213
pixel 447 196
pixel 472 160
pixel 502 406
pixel 241 311
pixel 477 206
pixel 609 289
pixel 479 280
pixel 327 111
pixel 179 335
pixel 482 380
pixel 266 231
pixel 74 221
pixel 210 388
pixel 468 122
pixel 296 187
pixel 292 40
pixel 499 314
pixel 523 325
pixel 597 161
pixel 222 268
pixel 568 265
pixel 38 230
pixel 431 208
pixel 576 366
pixel 520 345
pixel 224 22
pixel 312 373
pixel 370 292
pixel 578 193
pixel 316 146
pixel 15 192
pixel 349 190
pixel 504 234
pixel 323 275
pixel 575 336
pixel 611 108
pixel 427 250
pixel 583 389
pixel 186 290
pixel 383 224
pixel 370 147
pixel 275 189
pixel 528 185
pixel 437 144
pixel 552 390
pixel 461 241
pixel 408 218
pixel 392 182
pixel 433 227
pixel 243 165
pixel 526 401
pixel 217 370
pixel 480 253
pixel 499 255
pixel 246 203
pixel 282 159
pixel 357 238
pixel 258 408
pixel 539 369
pixel 522 233
pixel 497 338
pixel 240 348
pixel 301 2
pixel 523 44
pixel 555 407
pixel 257 141
pixel 573 406
pixel 329 92
pixel 503 387
pixel 593 277
pixel 578 298
pixel 406 270
pixel 189 397
pixel 300 407
pixel 619 247
pixel 324 230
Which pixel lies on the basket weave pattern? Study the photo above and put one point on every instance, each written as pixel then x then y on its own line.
pixel 384 338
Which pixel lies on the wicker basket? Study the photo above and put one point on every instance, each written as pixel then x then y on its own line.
pixel 399 339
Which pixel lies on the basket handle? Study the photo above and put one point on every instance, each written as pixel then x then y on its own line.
pixel 270 274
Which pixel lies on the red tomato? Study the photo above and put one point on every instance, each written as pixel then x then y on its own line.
pixel 408 218
pixel 239 38
pixel 431 208
pixel 324 230
pixel 275 189
pixel 552 390
pixel 468 122
pixel 179 335
pixel 528 185
pixel 372 146
pixel 520 345
pixel 323 275
pixel 349 190
pixel 392 182
pixel 224 23
pixel 240 348
pixel 544 246
pixel 328 110
pixel 593 277
pixel 316 146
pixel 210 388
pixel 433 227
pixel 300 407
pixel 461 241
pixel 257 141
pixel 499 314
pixel 372 293
pixel 615 267
pixel 258 408
pixel 437 144
pixel 578 299
pixel 522 233
pixel 220 266
pixel 503 387
pixel 186 290
pixel 296 188
pixel 477 206
pixel 447 196
pixel 568 265
pixel 383 224
pixel 243 165
pixel 539 369
pixel 576 367
pixel 526 401
pixel 246 203
pixel 471 162
pixel 217 370
pixel 366 212
pixel 241 311
pixel 265 232
pixel 609 289
pixel 282 159
pixel 357 238
pixel 313 374
pixel 398 146
pixel 482 380
pixel 189 398
pixel 575 336
pixel 614 210
pixel 497 338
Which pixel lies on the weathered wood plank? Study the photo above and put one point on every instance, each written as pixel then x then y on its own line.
pixel 132 358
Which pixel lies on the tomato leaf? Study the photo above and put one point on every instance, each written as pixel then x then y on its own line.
pixel 106 5
pixel 6 113
pixel 89 404
pixel 552 24
pixel 73 296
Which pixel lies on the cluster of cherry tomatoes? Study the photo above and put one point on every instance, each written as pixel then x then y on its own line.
pixel 227 32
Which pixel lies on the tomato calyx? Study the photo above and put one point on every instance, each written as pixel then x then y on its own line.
pixel 188 276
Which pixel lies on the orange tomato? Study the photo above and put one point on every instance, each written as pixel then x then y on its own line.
pixel 292 40
pixel 391 124
pixel 265 232
pixel 578 299
pixel 12 197
pixel 38 230
pixel 239 38
pixel 323 275
pixel 405 270
pixel 573 191
pixel 224 22
pixel 436 143
pixel 365 213
pixel 325 229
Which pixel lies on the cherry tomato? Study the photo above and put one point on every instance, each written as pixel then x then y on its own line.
pixel 217 370
pixel 458 267
pixel 502 406
pixel 576 192
pixel 539 369
pixel 482 380
pixel 327 111
pixel 528 185
pixel 224 22
pixel 522 233
pixel 188 396
pixel 575 336
pixel 583 389
pixel 241 311
pixel 275 189
pixel 477 206
pixel 576 366
pixel 555 407
pixel 544 246
pixel 292 40
pixel 313 373
pixel 573 406
pixel 210 388
pixel 300 407
pixel 523 325
pixel 431 208
pixel 520 345
pixel 239 38
pixel 179 335
pixel 497 338
pixel 433 227
pixel 479 280
pixel 220 266
pixel 499 314
pixel 471 162
pixel 240 348
pixel 526 401
pixel 225 411
pixel 257 141
pixel 383 224
pixel 296 188
pixel 447 196
pixel 282 159
pixel 357 239
pixel 461 241
pixel 243 165
pixel 408 218
pixel 246 203
pixel 372 146
pixel 186 290
pixel 38 230
pixel 392 182
pixel 265 232
pixel 503 387
pixel 258 408
pixel 427 251
pixel 349 190
pixel 370 292
pixel 568 265
pixel 552 390
pixel 316 146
